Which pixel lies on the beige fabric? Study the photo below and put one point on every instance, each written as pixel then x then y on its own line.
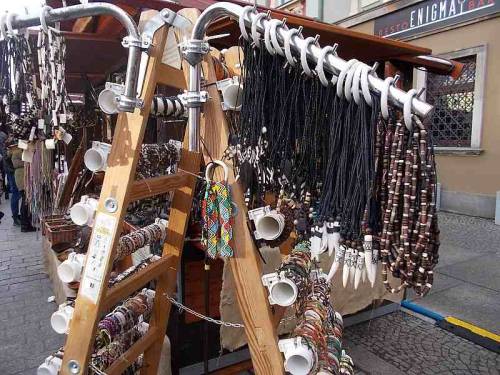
pixel 345 300
pixel 61 290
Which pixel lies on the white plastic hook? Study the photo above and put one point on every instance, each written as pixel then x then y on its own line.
pixel 274 36
pixel 348 81
pixel 213 164
pixel 303 54
pixel 288 37
pixel 8 22
pixel 365 87
pixel 241 21
pixel 320 65
pixel 342 76
pixel 255 33
pixel 3 30
pixel 267 38
pixel 356 83
pixel 407 115
pixel 43 20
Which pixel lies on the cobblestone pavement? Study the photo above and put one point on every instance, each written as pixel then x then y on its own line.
pixel 467 277
pixel 400 343
pixel 26 337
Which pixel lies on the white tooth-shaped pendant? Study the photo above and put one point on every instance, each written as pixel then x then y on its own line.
pixel 337 261
pixel 336 235
pixel 352 268
pixel 364 275
pixel 360 266
pixel 316 235
pixel 368 246
pixel 374 266
pixel 347 266
pixel 324 238
pixel 328 235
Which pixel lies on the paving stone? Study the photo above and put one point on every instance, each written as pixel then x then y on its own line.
pixel 420 347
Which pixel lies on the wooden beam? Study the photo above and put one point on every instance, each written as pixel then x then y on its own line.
pixel 172 77
pixel 251 295
pixel 128 286
pixel 127 358
pixel 237 368
pixel 83 25
pixel 110 26
pixel 122 163
pixel 150 187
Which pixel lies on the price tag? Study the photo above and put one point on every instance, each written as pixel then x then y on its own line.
pixel 98 252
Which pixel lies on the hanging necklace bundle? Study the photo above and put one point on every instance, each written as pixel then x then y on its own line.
pixel 18 83
pixel 316 139
pixel 217 215
pixel 410 236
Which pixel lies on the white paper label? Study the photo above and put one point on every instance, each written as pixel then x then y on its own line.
pixel 98 252
pixel 41 123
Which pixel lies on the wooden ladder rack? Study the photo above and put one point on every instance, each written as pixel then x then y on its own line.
pixel 119 188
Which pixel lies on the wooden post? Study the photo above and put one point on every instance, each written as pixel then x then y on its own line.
pixel 246 265
pixel 118 180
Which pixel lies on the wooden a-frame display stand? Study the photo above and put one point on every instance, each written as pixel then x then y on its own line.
pixel 119 188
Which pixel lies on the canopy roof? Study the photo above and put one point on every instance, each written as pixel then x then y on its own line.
pixel 94 43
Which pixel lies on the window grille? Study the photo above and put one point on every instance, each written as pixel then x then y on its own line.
pixel 453 100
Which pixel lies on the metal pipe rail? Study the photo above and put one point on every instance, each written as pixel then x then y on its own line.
pixel 128 101
pixel 333 64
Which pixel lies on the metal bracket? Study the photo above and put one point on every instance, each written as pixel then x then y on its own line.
pixel 193 98
pixel 164 17
pixel 193 50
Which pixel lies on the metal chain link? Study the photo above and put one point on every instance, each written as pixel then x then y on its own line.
pixel 182 308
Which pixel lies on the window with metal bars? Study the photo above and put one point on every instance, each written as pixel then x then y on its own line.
pixel 453 100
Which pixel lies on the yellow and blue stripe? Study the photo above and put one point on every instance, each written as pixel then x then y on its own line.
pixel 468 331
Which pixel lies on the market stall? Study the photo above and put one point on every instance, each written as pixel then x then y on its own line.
pixel 300 185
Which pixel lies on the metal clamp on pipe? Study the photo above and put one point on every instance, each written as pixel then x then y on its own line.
pixel 193 50
pixel 192 99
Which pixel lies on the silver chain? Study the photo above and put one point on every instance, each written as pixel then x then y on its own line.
pixel 182 308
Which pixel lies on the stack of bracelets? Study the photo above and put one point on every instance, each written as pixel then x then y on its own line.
pixel 105 356
pixel 297 267
pixel 115 279
pixel 157 160
pixel 133 241
pixel 321 328
pixel 124 317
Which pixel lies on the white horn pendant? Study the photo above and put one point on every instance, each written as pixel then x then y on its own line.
pixel 368 246
pixel 374 266
pixel 337 261
pixel 364 275
pixel 360 266
pixel 347 266
pixel 316 242
pixel 352 268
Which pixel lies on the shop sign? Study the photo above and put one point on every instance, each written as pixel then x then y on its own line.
pixel 432 15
